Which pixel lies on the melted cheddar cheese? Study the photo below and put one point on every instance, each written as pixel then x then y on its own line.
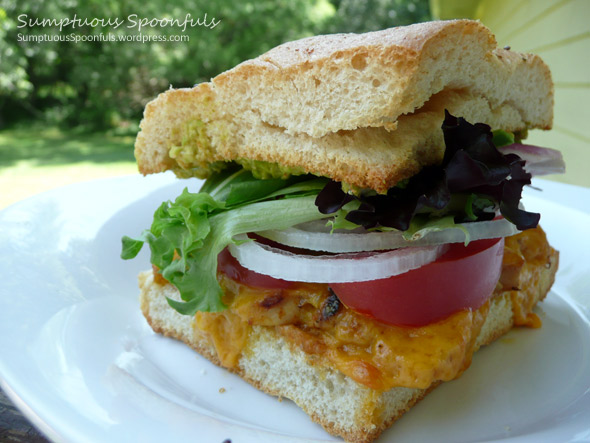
pixel 525 257
pixel 378 355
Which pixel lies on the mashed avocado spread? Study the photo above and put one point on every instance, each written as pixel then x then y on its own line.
pixel 265 170
pixel 195 152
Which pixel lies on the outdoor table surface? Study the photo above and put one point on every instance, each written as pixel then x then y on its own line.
pixel 14 427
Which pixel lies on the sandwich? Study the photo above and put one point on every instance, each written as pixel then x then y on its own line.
pixel 359 233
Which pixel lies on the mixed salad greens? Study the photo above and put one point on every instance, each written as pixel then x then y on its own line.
pixel 473 179
pixel 473 182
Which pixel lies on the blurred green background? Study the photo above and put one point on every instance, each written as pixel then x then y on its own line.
pixel 101 85
pixel 69 111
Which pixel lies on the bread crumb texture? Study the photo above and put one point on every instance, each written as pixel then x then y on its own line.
pixel 363 109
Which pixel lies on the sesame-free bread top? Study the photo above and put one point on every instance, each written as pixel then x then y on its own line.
pixel 327 83
pixel 316 112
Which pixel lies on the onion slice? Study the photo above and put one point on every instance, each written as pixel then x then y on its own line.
pixel 316 236
pixel 538 160
pixel 341 268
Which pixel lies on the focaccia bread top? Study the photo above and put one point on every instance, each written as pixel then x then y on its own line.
pixel 328 83
pixel 314 110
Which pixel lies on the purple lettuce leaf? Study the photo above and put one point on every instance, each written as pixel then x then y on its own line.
pixel 471 165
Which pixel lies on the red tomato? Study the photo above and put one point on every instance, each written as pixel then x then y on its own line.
pixel 464 277
pixel 227 264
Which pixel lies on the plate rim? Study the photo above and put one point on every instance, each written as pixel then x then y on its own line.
pixel 43 424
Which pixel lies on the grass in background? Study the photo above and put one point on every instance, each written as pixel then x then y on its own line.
pixel 34 159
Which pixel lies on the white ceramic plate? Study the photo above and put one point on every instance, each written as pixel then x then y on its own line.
pixel 79 360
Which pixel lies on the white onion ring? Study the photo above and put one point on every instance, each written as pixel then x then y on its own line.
pixel 317 237
pixel 341 268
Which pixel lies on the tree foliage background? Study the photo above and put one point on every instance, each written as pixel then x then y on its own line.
pixel 97 84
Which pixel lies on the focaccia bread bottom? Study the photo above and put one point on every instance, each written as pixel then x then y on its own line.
pixel 340 404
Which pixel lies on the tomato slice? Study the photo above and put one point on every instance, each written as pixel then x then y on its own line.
pixel 463 278
pixel 227 264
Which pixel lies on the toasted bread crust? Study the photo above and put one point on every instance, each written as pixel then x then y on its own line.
pixel 342 406
pixel 362 109
pixel 372 158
